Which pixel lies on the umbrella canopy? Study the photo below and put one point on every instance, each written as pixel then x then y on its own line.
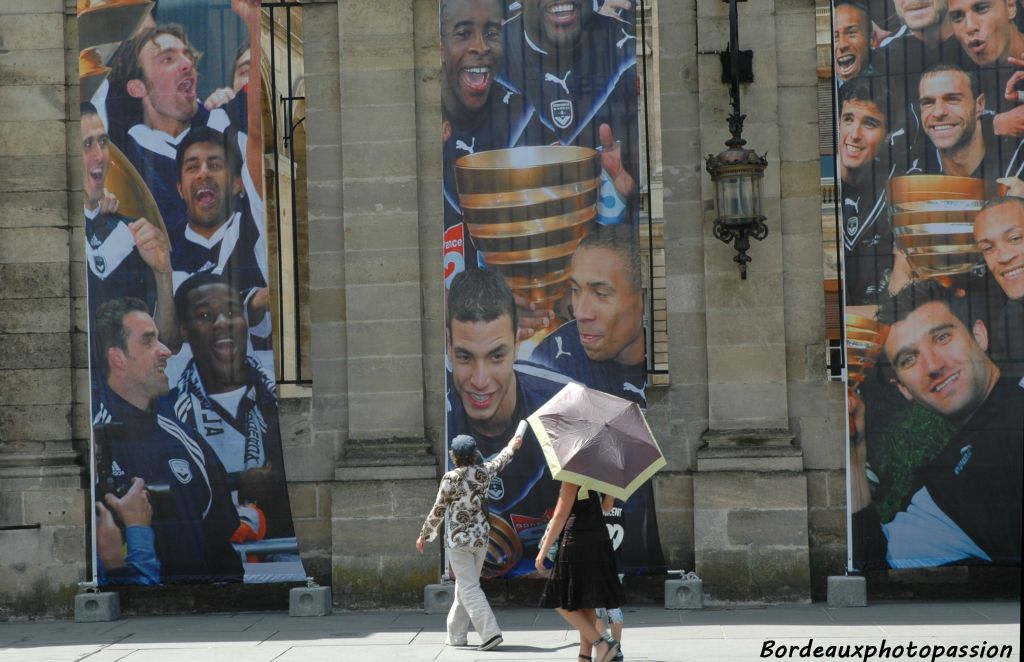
pixel 597 441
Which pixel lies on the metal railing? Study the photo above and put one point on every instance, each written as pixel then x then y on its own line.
pixel 291 309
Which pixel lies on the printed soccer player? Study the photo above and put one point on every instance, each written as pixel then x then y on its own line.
pixel 864 168
pixel 145 440
pixel 222 232
pixel 151 102
pixel 851 35
pixel 487 398
pixel 991 39
pixel 968 502
pixel 230 399
pixel 125 256
pixel 577 71
pixel 954 119
pixel 999 235
pixel 604 348
pixel 480 111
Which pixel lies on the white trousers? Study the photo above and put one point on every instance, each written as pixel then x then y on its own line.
pixel 470 602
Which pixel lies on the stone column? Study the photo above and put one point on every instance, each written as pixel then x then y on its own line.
pixel 43 513
pixel 750 492
pixel 385 475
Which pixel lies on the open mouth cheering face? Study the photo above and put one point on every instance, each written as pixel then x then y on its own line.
pixel 217 333
pixel 554 24
pixel 207 186
pixel 984 27
pixel 95 158
pixel 473 47
pixel 852 37
pixel 168 66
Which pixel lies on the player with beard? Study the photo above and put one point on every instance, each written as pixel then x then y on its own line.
pixel 151 103
pixel 222 232
pixel 145 440
pixel 577 71
pixel 966 503
pixel 230 399
pixel 487 397
pixel 954 118
pixel 125 256
pixel 851 36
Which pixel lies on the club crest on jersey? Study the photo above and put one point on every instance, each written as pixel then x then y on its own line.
pixel 562 113
pixel 852 225
pixel 101 264
pixel 496 489
pixel 181 470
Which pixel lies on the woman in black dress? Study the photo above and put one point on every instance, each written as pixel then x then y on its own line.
pixel 585 575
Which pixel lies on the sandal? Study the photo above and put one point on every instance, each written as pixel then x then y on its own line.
pixel 585 657
pixel 613 648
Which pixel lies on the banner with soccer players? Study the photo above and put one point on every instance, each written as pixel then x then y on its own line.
pixel 542 270
pixel 930 123
pixel 187 463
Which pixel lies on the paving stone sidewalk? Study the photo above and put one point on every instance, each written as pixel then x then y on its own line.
pixel 652 635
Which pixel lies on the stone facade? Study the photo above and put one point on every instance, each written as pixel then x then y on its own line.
pixel 746 357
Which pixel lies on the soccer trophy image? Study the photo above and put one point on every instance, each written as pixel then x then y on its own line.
pixel 102 26
pixel 865 336
pixel 933 220
pixel 526 209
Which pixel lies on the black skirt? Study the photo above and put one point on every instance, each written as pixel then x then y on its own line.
pixel 585 575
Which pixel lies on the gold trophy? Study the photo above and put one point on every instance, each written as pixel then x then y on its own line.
pixel 865 336
pixel 526 209
pixel 933 221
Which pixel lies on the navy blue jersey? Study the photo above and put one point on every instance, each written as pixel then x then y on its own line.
pixel 192 539
pixel 1004 157
pixel 569 97
pixel 246 439
pixel 977 479
pixel 115 267
pixel 969 494
pixel 562 352
pixel 523 494
pixel 868 245
pixel 236 250
pixel 496 126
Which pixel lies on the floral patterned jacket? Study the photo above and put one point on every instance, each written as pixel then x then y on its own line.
pixel 463 491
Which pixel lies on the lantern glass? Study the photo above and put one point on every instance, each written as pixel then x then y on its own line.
pixel 739 196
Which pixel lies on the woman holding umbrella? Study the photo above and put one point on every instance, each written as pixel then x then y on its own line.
pixel 600 441
pixel 585 575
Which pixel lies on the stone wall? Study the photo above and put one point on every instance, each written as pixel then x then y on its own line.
pixel 42 357
pixel 361 451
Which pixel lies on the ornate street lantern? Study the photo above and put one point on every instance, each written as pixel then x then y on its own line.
pixel 737 172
